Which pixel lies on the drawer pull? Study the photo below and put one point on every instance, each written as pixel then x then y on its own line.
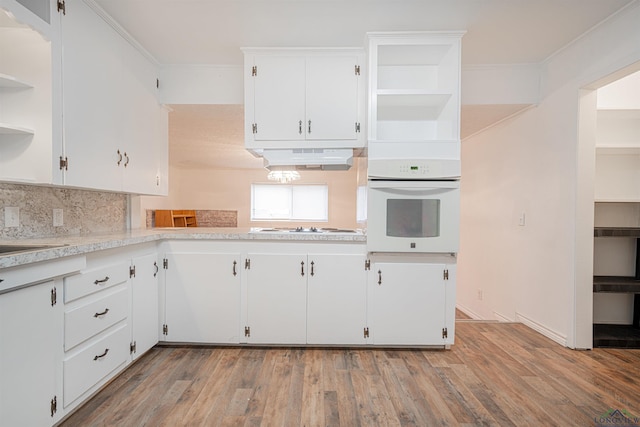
pixel 100 356
pixel 106 310
pixel 99 282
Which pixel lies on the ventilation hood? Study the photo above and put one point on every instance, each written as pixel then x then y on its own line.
pixel 308 158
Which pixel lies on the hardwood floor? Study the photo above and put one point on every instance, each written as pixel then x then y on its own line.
pixel 496 374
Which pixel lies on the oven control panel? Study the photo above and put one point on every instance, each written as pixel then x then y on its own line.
pixel 413 169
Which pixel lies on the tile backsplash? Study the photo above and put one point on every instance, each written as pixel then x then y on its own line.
pixel 83 212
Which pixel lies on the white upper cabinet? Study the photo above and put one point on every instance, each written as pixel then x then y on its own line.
pixel 303 99
pixel 78 102
pixel 414 86
pixel 111 117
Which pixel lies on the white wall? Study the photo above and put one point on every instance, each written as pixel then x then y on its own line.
pixel 532 164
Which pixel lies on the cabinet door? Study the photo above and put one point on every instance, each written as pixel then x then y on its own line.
pixel 202 298
pixel 92 98
pixel 142 138
pixel 279 98
pixel 144 303
pixel 332 97
pixel 277 298
pixel 407 303
pixel 336 309
pixel 30 346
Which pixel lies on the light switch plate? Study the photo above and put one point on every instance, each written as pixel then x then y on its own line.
pixel 11 216
pixel 522 220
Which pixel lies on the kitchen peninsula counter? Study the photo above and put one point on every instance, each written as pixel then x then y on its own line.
pixel 63 246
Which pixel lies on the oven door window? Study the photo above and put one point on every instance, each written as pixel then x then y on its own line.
pixel 413 217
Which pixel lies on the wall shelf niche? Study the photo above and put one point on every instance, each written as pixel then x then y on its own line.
pixel 611 334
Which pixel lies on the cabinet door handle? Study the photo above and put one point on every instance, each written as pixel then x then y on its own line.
pixel 106 310
pixel 309 126
pixel 300 127
pixel 119 157
pixel 101 281
pixel 234 268
pixel 126 161
pixel 155 273
pixel 302 268
pixel 379 277
pixel 100 356
pixel 312 264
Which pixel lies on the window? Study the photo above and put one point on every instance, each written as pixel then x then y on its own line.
pixel 289 202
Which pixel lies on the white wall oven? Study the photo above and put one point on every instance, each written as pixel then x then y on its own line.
pixel 413 216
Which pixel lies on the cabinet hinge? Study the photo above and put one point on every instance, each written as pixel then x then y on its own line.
pixel 254 127
pixel 165 263
pixel 247 331
pixel 132 347
pixel 357 70
pixel 445 333
pixel 247 264
pixel 132 271
pixel 62 7
pixel 254 71
pixel 54 296
pixel 367 264
pixel 54 405
pixel 445 274
pixel 165 329
pixel 64 163
pixel 366 332
pixel 357 127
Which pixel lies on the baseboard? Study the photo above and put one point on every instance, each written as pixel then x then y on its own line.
pixel 469 312
pixel 552 335
pixel 500 318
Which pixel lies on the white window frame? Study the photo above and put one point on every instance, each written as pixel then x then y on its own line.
pixel 322 215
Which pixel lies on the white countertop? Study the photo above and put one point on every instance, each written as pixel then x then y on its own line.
pixel 76 245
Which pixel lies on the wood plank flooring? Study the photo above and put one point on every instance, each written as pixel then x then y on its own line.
pixel 501 374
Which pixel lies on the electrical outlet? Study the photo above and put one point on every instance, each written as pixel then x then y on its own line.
pixel 480 294
pixel 11 216
pixel 58 220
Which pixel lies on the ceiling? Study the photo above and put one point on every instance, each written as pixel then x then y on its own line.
pixel 212 32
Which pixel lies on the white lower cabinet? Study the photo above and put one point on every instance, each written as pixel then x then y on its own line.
pixel 201 295
pixel 336 299
pixel 30 342
pixel 276 298
pixel 411 303
pixel 93 363
pixel 96 325
pixel 144 303
pixel 110 318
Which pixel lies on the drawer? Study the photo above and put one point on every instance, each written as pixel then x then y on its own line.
pixel 95 363
pixel 95 280
pixel 85 321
